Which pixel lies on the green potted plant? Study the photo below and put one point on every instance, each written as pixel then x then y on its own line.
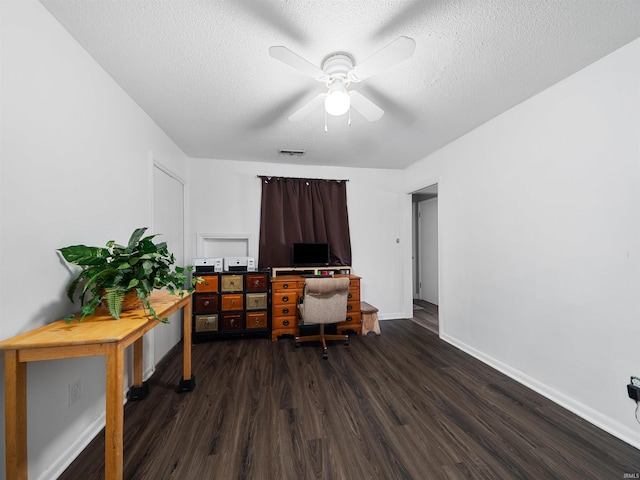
pixel 114 274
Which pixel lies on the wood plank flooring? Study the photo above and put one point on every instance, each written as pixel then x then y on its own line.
pixel 402 405
pixel 426 314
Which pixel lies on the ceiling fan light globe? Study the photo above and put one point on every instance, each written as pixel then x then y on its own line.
pixel 337 103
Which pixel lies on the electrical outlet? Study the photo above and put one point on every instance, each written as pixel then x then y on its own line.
pixel 74 392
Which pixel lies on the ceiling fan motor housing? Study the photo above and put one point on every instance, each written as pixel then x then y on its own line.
pixel 338 65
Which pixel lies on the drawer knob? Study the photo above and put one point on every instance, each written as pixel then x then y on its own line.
pixel 257 321
pixel 256 283
pixel 206 283
pixel 350 295
pixel 285 299
pixel 285 285
pixel 285 310
pixel 349 307
pixel 206 302
pixel 285 323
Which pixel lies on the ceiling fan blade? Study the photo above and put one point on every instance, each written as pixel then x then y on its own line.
pixel 365 107
pixel 296 61
pixel 307 108
pixel 397 51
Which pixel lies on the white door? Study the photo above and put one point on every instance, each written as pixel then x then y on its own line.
pixel 428 249
pixel 168 222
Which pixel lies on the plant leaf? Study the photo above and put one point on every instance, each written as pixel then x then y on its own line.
pixel 135 238
pixel 84 255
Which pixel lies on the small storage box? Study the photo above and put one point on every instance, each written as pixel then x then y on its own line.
pixel 232 321
pixel 256 282
pixel 232 301
pixel 232 283
pixel 205 303
pixel 209 283
pixel 256 319
pixel 256 301
pixel 206 323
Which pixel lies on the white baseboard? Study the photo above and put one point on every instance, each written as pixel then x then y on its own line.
pixel 58 467
pixel 69 455
pixel 616 429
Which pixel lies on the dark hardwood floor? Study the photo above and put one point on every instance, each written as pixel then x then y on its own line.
pixel 426 314
pixel 400 405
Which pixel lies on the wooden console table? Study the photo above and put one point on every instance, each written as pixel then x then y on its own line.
pixel 99 334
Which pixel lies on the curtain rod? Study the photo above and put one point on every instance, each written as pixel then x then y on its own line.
pixel 300 178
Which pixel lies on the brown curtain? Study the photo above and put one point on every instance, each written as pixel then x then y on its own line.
pixel 303 210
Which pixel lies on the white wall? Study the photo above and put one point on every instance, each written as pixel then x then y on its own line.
pixel 75 168
pixel 539 215
pixel 225 199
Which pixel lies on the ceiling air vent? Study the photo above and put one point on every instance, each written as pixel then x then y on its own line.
pixel 291 153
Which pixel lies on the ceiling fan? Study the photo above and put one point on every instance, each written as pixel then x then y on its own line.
pixel 338 72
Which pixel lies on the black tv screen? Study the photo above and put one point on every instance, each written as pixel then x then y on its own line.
pixel 310 254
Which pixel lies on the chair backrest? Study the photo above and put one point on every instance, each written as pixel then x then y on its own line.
pixel 324 300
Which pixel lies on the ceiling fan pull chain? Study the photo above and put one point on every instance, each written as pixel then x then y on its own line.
pixel 349 119
pixel 325 122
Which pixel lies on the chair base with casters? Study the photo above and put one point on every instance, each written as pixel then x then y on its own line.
pixel 322 337
pixel 324 300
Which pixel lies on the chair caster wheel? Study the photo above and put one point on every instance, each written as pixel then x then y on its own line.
pixel 297 344
pixel 346 342
pixel 325 355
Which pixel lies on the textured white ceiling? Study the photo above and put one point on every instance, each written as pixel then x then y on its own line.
pixel 201 68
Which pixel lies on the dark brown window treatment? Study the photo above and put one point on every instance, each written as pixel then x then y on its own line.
pixel 302 210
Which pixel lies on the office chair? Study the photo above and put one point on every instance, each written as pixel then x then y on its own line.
pixel 324 300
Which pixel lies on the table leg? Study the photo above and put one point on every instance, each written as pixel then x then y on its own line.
pixel 115 413
pixel 15 416
pixel 188 382
pixel 137 362
pixel 186 316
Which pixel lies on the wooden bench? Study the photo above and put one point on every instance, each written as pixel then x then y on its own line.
pixel 369 318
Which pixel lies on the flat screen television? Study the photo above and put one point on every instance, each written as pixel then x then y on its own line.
pixel 310 254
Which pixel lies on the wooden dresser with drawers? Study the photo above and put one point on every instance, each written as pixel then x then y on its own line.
pixel 286 291
pixel 231 304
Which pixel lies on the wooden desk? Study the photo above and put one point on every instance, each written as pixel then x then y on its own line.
pixel 99 334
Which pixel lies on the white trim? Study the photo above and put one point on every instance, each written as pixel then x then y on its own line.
pixel 155 164
pixel 58 467
pixel 250 238
pixel 593 416
pixel 407 213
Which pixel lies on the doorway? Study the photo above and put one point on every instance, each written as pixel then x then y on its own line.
pixel 168 223
pixel 425 257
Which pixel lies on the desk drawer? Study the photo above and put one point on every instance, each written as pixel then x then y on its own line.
pixel 286 298
pixel 284 322
pixel 354 294
pixel 285 310
pixel 353 318
pixel 287 286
